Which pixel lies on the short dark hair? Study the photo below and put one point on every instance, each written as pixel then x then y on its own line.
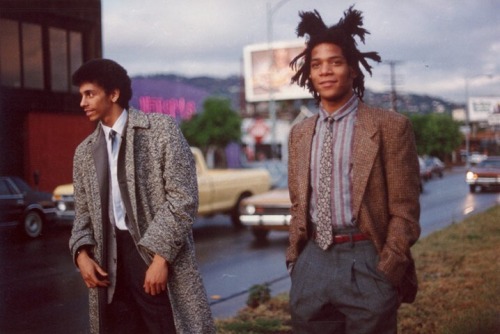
pixel 342 34
pixel 109 75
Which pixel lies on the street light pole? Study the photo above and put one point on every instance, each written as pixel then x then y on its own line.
pixel 467 125
pixel 467 116
pixel 272 103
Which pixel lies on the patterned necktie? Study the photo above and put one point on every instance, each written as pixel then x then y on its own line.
pixel 324 223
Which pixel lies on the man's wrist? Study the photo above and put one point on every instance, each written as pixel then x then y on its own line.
pixel 160 259
pixel 81 250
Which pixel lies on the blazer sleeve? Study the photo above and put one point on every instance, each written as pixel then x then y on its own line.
pixel 403 190
pixel 297 179
pixel 82 232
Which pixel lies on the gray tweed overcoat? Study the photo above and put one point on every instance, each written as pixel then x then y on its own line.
pixel 161 203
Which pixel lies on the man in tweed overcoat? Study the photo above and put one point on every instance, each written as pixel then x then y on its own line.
pixel 135 256
pixel 351 270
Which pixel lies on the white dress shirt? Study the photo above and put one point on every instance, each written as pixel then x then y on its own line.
pixel 118 207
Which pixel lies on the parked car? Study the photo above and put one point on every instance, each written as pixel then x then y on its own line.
pixel 435 165
pixel 266 212
pixel 65 202
pixel 485 175
pixel 220 190
pixel 24 207
pixel 425 171
pixel 476 157
pixel 424 175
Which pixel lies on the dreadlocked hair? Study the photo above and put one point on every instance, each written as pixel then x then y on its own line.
pixel 341 34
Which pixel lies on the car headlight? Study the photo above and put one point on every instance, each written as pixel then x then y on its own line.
pixel 470 176
pixel 61 206
pixel 249 209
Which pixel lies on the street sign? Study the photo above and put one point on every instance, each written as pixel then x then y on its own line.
pixel 494 119
pixel 465 129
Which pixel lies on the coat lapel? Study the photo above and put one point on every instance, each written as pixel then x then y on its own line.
pixel 100 154
pixel 126 164
pixel 123 175
pixel 305 145
pixel 364 153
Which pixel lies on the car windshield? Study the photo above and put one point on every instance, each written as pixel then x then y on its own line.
pixel 490 164
pixel 20 184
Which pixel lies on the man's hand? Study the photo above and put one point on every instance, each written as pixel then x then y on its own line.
pixel 156 276
pixel 93 275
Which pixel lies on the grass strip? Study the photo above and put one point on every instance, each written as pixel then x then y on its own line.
pixel 459 277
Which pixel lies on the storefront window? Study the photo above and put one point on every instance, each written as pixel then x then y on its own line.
pixel 76 53
pixel 59 59
pixel 32 56
pixel 22 56
pixel 10 60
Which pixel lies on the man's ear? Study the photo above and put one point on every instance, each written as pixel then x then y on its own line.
pixel 115 94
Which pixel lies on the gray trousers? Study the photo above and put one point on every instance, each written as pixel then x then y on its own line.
pixel 341 291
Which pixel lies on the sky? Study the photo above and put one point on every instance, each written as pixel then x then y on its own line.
pixel 446 48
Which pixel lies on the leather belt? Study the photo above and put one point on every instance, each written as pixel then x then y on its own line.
pixel 343 238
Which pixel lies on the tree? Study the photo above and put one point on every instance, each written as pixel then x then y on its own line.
pixel 436 134
pixel 214 128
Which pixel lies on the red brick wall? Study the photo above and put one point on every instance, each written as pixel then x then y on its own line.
pixel 50 144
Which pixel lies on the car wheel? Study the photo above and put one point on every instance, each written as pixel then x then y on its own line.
pixel 260 234
pixel 32 224
pixel 235 212
pixel 472 188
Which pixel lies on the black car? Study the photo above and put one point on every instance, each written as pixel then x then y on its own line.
pixel 24 207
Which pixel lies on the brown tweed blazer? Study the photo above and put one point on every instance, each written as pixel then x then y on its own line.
pixel 385 190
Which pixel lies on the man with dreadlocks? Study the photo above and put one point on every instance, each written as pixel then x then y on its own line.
pixel 354 187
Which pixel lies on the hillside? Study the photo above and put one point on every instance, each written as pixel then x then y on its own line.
pixel 173 92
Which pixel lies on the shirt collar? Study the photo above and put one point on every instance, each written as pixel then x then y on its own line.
pixel 119 125
pixel 350 106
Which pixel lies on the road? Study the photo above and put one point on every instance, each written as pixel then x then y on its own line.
pixel 42 292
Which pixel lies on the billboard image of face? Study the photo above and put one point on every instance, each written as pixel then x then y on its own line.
pixel 268 73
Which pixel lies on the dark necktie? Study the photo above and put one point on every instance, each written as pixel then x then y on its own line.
pixel 324 223
pixel 112 138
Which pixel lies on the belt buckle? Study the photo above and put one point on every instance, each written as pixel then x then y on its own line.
pixel 344 237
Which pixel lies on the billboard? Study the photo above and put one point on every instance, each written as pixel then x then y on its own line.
pixel 268 74
pixel 482 109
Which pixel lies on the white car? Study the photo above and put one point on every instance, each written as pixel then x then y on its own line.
pixel 269 211
pixel 476 157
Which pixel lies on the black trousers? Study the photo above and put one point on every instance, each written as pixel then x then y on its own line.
pixel 132 309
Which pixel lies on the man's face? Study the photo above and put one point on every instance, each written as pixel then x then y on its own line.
pixel 98 105
pixel 331 76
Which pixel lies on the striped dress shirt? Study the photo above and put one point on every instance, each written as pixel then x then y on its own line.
pixel 343 134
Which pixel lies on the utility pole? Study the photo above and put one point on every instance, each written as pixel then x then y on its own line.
pixel 271 10
pixel 394 98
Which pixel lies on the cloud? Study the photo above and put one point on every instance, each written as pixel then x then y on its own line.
pixel 437 44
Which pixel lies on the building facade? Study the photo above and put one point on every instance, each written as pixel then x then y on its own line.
pixel 42 42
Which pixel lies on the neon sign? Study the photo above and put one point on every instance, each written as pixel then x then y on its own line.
pixel 176 108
